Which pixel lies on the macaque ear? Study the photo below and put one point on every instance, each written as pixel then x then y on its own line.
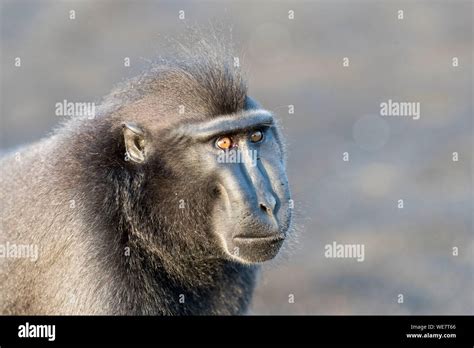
pixel 134 139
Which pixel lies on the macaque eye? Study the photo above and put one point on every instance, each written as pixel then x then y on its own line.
pixel 256 136
pixel 224 143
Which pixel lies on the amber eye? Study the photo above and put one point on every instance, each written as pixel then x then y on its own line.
pixel 256 136
pixel 224 143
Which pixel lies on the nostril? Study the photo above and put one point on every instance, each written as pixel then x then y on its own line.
pixel 265 209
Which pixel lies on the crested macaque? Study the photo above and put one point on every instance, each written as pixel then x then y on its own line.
pixel 136 211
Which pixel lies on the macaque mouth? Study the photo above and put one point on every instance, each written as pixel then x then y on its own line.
pixel 269 238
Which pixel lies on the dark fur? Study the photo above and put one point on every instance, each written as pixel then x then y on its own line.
pixel 82 266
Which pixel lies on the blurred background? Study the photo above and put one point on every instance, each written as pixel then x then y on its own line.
pixel 299 62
